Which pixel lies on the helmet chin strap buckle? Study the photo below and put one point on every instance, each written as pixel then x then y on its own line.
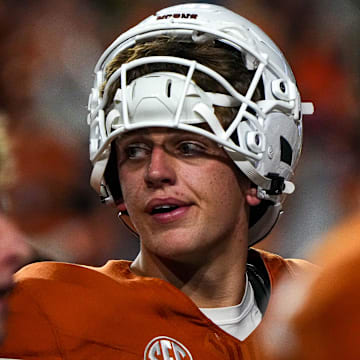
pixel 277 185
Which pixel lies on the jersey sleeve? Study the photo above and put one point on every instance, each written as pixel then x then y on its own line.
pixel 29 332
pixel 299 267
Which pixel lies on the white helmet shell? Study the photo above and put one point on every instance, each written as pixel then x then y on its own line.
pixel 269 131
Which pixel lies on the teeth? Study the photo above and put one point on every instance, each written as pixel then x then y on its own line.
pixel 163 208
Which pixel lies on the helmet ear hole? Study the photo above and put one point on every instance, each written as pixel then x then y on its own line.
pixel 286 152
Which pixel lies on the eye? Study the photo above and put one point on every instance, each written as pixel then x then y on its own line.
pixel 188 148
pixel 137 151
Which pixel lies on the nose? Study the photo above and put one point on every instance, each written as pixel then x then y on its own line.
pixel 14 250
pixel 161 169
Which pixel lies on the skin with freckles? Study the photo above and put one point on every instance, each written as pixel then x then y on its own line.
pixel 14 251
pixel 190 205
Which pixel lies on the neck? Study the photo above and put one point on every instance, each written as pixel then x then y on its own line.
pixel 217 282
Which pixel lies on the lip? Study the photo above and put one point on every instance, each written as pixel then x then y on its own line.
pixel 171 216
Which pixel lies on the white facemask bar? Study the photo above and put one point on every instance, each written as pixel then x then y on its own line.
pixel 223 138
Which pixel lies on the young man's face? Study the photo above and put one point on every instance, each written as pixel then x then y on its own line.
pixel 184 195
pixel 14 251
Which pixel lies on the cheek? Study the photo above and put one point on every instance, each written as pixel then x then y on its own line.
pixel 226 188
pixel 219 184
pixel 129 184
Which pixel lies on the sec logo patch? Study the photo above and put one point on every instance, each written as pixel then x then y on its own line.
pixel 165 348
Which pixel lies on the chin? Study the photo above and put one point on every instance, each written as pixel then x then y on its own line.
pixel 181 252
pixel 176 244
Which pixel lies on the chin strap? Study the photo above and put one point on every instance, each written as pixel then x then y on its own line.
pixel 125 218
pixel 259 279
pixel 271 184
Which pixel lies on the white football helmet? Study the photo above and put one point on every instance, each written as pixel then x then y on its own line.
pixel 269 131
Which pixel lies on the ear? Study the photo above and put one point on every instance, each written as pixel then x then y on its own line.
pixel 251 197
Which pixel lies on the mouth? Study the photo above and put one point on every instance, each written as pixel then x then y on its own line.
pixel 167 210
pixel 163 209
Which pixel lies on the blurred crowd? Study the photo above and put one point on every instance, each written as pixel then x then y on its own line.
pixel 49 49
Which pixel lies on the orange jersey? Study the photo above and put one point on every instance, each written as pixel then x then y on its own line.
pixel 66 311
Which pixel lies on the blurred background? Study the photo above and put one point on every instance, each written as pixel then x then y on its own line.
pixel 48 51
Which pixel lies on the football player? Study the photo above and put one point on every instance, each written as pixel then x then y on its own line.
pixel 195 131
